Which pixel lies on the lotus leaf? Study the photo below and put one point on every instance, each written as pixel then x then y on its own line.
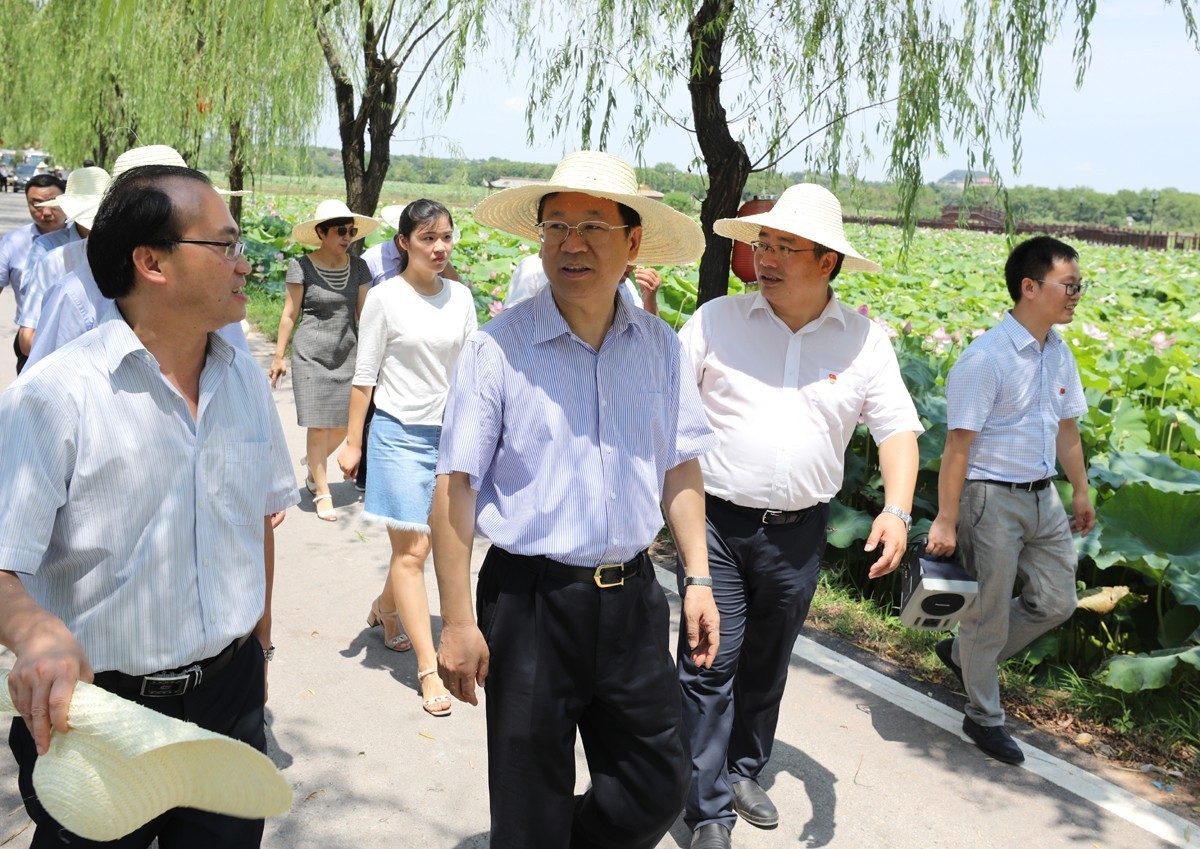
pixel 847 526
pixel 1132 673
pixel 1157 469
pixel 1154 532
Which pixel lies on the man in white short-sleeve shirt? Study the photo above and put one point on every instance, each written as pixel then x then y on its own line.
pixel 785 375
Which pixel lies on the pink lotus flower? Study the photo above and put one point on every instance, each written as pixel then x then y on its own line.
pixel 1161 341
pixel 495 308
pixel 497 292
pixel 1094 332
pixel 864 310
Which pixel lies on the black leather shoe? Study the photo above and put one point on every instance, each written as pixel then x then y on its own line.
pixel 711 836
pixel 994 740
pixel 945 653
pixel 753 805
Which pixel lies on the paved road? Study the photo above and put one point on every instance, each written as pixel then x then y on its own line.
pixel 863 758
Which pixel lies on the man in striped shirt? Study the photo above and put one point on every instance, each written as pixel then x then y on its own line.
pixel 145 460
pixel 1011 403
pixel 569 421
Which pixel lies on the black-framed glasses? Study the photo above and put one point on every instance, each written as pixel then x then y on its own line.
pixel 345 230
pixel 233 249
pixel 1073 289
pixel 761 249
pixel 592 232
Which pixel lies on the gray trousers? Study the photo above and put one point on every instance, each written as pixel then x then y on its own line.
pixel 1003 535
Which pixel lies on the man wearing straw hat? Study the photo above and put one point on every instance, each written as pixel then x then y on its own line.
pixel 148 459
pixel 569 421
pixel 785 374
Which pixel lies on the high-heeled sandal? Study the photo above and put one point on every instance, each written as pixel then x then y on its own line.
pixel 329 514
pixel 393 637
pixel 436 701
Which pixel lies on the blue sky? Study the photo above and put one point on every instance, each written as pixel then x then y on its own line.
pixel 1134 124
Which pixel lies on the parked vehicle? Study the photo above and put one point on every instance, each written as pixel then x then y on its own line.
pixel 21 175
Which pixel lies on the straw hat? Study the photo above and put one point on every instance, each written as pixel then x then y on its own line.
pixel 391 215
pixel 807 210
pixel 668 237
pixel 305 233
pixel 85 187
pixel 159 154
pixel 121 765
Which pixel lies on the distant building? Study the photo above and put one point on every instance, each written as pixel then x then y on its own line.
pixel 513 182
pixel 958 179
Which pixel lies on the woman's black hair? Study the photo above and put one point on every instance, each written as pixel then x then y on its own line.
pixel 423 212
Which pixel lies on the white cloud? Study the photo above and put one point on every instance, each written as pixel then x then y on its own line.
pixel 515 104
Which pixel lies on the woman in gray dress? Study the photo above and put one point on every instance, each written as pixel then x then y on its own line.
pixel 329 287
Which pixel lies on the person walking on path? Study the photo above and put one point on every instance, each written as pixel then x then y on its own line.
pixel 570 420
pixel 147 461
pixel 329 286
pixel 1012 399
pixel 785 375
pixel 413 328
pixel 16 244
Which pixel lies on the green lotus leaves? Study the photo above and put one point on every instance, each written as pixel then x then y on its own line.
pixel 1155 532
pixel 1159 470
pixel 847 526
pixel 1131 673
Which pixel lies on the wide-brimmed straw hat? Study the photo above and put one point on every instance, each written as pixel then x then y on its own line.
pixel 85 187
pixel 390 215
pixel 121 765
pixel 668 237
pixel 159 154
pixel 305 233
pixel 807 210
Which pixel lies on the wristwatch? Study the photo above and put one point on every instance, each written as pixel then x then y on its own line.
pixel 695 581
pixel 269 654
pixel 902 513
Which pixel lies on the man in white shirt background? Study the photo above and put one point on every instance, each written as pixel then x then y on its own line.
pixel 14 247
pixel 785 374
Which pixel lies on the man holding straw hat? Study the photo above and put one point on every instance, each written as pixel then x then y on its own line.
pixel 785 374
pixel 570 420
pixel 146 460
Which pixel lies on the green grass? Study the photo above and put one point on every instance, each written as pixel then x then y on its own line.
pixel 393 192
pixel 263 311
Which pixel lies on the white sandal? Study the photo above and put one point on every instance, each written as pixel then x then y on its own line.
pixel 431 703
pixel 329 515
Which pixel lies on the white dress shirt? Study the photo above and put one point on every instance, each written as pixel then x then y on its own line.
pixel 785 405
pixel 137 525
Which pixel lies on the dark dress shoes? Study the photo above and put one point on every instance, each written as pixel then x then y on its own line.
pixel 753 805
pixel 711 836
pixel 994 740
pixel 944 650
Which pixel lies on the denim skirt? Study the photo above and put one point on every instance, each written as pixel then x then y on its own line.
pixel 402 459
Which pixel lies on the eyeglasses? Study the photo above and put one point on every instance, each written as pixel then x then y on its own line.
pixel 233 249
pixel 761 249
pixel 344 230
pixel 592 232
pixel 1073 289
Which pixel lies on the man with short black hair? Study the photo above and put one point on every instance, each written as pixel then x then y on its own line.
pixel 15 245
pixel 145 461
pixel 1012 399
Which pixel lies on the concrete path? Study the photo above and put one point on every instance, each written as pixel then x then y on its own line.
pixel 863 758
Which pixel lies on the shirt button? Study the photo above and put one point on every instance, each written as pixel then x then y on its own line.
pixel 614 540
pixel 603 403
pixel 613 496
pixel 608 450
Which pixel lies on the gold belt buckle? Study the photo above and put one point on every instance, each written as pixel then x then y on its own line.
pixel 599 576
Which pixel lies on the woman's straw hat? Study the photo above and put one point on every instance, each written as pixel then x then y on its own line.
pixel 668 237
pixel 807 210
pixel 85 187
pixel 305 233
pixel 121 765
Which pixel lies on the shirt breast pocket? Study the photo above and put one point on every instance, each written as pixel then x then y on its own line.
pixel 243 492
pixel 840 394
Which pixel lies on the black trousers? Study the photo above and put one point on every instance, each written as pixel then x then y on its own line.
pixel 232 704
pixel 569 657
pixel 21 358
pixel 764 577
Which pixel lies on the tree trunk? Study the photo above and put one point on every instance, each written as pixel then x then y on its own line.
pixel 237 170
pixel 725 158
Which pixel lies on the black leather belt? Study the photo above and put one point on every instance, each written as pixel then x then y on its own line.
pixel 1030 486
pixel 170 682
pixel 767 517
pixel 605 576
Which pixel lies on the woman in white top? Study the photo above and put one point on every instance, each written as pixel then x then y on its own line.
pixel 413 328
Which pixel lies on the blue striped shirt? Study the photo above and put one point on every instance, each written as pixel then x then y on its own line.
pixel 568 446
pixel 1013 394
pixel 141 528
pixel 33 284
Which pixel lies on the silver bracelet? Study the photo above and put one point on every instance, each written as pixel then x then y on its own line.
pixel 695 581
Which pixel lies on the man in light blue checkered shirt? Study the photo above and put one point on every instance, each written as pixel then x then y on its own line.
pixel 1012 400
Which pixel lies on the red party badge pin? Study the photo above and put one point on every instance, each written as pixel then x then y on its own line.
pixel 832 377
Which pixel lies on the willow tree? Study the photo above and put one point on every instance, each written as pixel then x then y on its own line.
pixel 133 72
pixel 381 55
pixel 766 78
